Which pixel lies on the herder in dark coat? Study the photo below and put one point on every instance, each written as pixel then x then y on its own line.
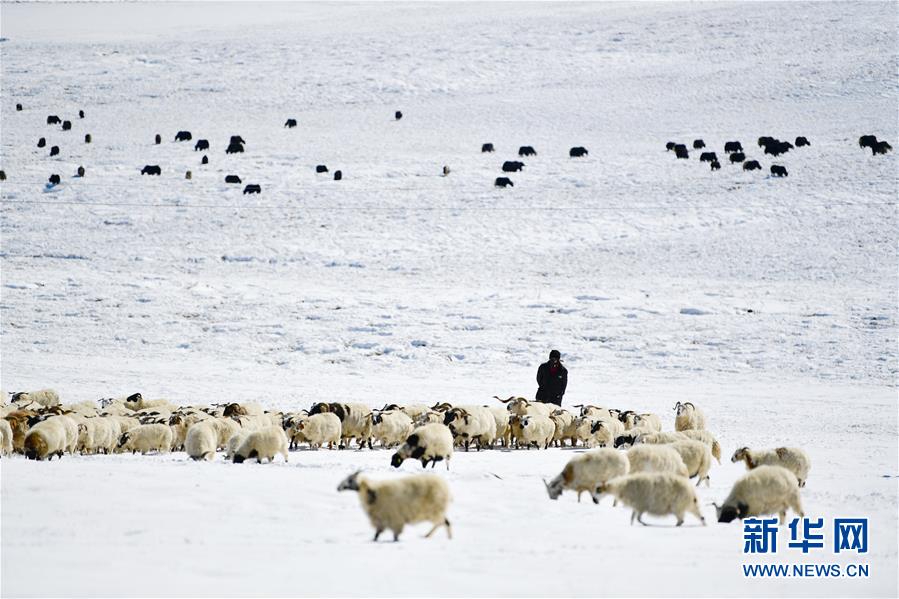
pixel 552 378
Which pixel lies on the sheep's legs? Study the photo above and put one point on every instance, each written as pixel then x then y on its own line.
pixel 377 534
pixel 446 523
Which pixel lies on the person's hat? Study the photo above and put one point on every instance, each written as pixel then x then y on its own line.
pixel 554 355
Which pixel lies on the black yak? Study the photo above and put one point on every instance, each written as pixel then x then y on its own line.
pixel 577 152
pixel 670 146
pixel 183 136
pixel 512 166
pixel 54 150
pixel 234 149
pixel 708 157
pixel 158 139
pixel 18 108
pixel 80 172
pixel 486 147
pixel 503 182
pixel 802 141
pixel 232 179
pixel 291 123
pixel 880 147
pixel 867 141
pixel 321 168
pixel 205 159
pixel 53 120
pixel 80 114
pixel 252 188
pixel 527 151
pixel 237 139
pixel 752 165
pixel 737 157
pixel 87 138
pixel 733 146
pixel 338 175
pixel 397 115
pixel 778 170
pixel 680 150
pixel 66 125
pixel 54 179
pixel 151 169
pixel 698 144
pixel 715 165
pixel 765 140
pixel 202 144
pixel 188 175
pixel 41 142
pixel 775 147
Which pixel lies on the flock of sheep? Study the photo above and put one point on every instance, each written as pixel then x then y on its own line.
pixel 631 458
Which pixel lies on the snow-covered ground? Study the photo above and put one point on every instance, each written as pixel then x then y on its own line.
pixel 769 302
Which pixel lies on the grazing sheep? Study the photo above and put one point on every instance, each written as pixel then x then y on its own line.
pixel 41 142
pixel 338 175
pixel 698 144
pixel 46 439
pixel 151 169
pixel 707 438
pixel 764 490
pixel 66 125
pixel 201 441
pixel 183 136
pixel 397 115
pixel 354 419
pixel 512 166
pixel 587 471
pixel 604 432
pixel 319 429
pixel 503 182
pixel 291 123
pixel 752 165
pixel 146 438
pixel 716 166
pixel 6 437
pixel 537 431
pixel 527 151
pixel 708 157
pixel 697 458
pixel 428 443
pixel 487 148
pixel 680 152
pixel 262 444
pixel 867 141
pixel 158 139
pixel 778 170
pixel 880 147
pixel 793 459
pixel 657 493
pixel 471 423
pixel 19 421
pixel 656 458
pixel 321 168
pixel 53 120
pixel 732 146
pixel 45 397
pixel 234 149
pixel 394 503
pixel 232 179
pixel 688 417
pixel 202 144
pixel 577 152
pixel 802 142
pixel 54 179
pixel 252 188
pixel 54 151
pixel 234 442
pixel 737 157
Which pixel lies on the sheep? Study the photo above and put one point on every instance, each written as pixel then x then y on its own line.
pixel 19 423
pixel 319 429
pixel 234 442
pixel 656 458
pixel 503 430
pixel 390 428
pixel 657 493
pixel 594 412
pixel 415 410
pixel 647 421
pixel 564 422
pixel 698 144
pixel 586 471
pixel 394 503
pixel 604 432
pixel 680 151
pixel 512 166
pixel 105 434
pixel 752 165
pixel 524 407
pixel 46 439
pixel 429 443
pixel 338 175
pixel 146 438
pixel 707 438
pixel 661 437
pixel 183 136
pixel 433 416
pixel 697 458
pixel 136 402
pixel 764 490
pixel 536 430
pixel 355 423
pixel 737 157
pixel 792 458
pixel 867 141
pixel 201 441
pixel 225 428
pixel 688 417
pixel 397 115
pixel 5 438
pixel 45 397
pixel 261 444
pixel 471 423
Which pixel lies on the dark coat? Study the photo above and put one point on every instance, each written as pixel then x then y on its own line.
pixel 550 389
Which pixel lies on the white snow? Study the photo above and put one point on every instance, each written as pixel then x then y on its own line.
pixel 771 303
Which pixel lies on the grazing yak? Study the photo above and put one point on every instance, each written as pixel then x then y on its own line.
pixel 237 139
pixel 867 141
pixel 234 149
pixel 698 144
pixel 2 175
pixel 486 147
pixel 232 179
pixel 54 179
pixel 291 123
pixel 183 136
pixel 503 182
pixel 670 146
pixel 880 147
pixel 158 139
pixel 715 165
pixel 88 138
pixel 733 146
pixel 512 166
pixel 737 157
pixel 80 114
pixel 54 150
pixel 802 141
pixel 151 169
pixel 778 170
pixel 321 168
pixel 446 170
pixel 775 147
pixel 66 125
pixel 205 159
pixel 680 150
pixel 338 175
pixel 80 172
pixel 397 115
pixel 527 151
pixel 41 142
pixel 577 152
pixel 18 108
pixel 752 165
pixel 53 120
pixel 252 188
pixel 708 157
pixel 202 144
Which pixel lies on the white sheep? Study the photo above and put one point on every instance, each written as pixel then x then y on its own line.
pixel 524 407
pixel 429 443
pixel 397 502
pixel 661 438
pixel 5 438
pixel 146 438
pixel 565 428
pixel 137 402
pixel 603 432
pixel 656 458
pixel 647 421
pixel 201 441
pixel 688 417
pixel 414 411
pixel 46 397
pixel 697 458
pixel 46 439
pixel 319 429
pixel 585 471
pixel 763 490
pixel 234 442
pixel 657 493
pixel 390 428
pixel 707 438
pixel 262 444
pixel 594 412
pixel 536 430
pixel 354 420
pixel 793 459
pixel 503 431
pixel 471 423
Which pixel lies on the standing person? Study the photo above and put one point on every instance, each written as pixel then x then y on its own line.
pixel 552 378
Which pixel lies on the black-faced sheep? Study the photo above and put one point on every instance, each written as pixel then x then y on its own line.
pixel 428 443
pixel 472 424
pixel 262 444
pixel 764 490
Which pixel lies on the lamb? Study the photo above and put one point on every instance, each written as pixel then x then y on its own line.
pixel 764 490
pixel 657 493
pixel 792 458
pixel 656 458
pixel 261 444
pixel 146 438
pixel 429 443
pixel 201 441
pixel 319 429
pixel 688 417
pixel 471 423
pixel 5 438
pixel 536 430
pixel 707 438
pixel 586 471
pixel 45 397
pixel 394 503
pixel 697 458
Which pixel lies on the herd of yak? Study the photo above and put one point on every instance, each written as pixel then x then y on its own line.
pixel 734 149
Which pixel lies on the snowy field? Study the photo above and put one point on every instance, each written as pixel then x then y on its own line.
pixel 771 303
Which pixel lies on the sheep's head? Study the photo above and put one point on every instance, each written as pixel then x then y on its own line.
pixel 597 426
pixel 442 407
pixel 396 460
pixel 123 439
pixel 600 490
pixel 525 421
pixel 319 408
pixel 728 513
pixel 134 398
pixel 740 454
pixel 350 483
pixel 625 440
pixel 554 487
